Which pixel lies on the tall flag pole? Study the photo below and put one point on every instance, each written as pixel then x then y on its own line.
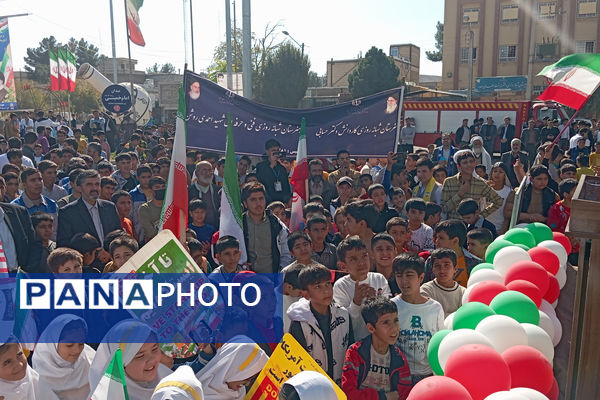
pixel 299 180
pixel 230 221
pixel 175 207
pixel 53 70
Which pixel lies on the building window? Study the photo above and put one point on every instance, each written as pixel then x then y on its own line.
pixel 464 54
pixel 470 16
pixel 547 10
pixel 584 46
pixel 510 13
pixel 508 53
pixel 122 66
pixel 586 8
pixel 546 51
pixel 537 90
pixel 394 52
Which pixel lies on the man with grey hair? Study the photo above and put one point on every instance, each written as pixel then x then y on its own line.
pixel 204 189
pixel 515 159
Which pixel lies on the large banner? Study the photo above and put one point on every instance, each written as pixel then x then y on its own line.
pixel 365 127
pixel 8 95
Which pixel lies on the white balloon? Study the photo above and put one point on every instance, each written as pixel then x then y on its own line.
pixel 503 332
pixel 506 396
pixel 465 297
pixel 459 338
pixel 561 277
pixel 557 248
pixel 529 393
pixel 500 237
pixel 539 339
pixel 507 256
pixel 448 321
pixel 557 331
pixel 521 225
pixel 547 308
pixel 546 324
pixel 482 275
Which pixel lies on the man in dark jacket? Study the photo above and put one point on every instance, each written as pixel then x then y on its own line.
pixel 506 133
pixel 510 158
pixel 273 175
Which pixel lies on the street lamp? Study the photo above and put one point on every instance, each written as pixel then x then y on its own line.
pixel 286 33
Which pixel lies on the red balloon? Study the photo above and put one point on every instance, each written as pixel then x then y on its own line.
pixel 553 289
pixel 528 368
pixel 485 291
pixel 546 258
pixel 480 369
pixel 528 271
pixel 528 289
pixel 554 392
pixel 438 387
pixel 564 240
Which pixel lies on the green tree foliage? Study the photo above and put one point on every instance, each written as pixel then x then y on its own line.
pixel 33 95
pixel 315 80
pixel 376 72
pixel 439 44
pixel 167 68
pixel 37 59
pixel 285 77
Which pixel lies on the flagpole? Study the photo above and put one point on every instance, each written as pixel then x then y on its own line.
pixel 192 37
pixel 130 64
pixel 112 35
pixel 399 120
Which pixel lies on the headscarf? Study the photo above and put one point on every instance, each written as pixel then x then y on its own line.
pixel 180 385
pixel 68 380
pixel 486 159
pixel 121 337
pixel 312 385
pixel 235 361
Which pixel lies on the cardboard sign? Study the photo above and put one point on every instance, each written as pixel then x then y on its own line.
pixel 288 359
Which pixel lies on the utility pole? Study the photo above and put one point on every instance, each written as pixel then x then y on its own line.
pixel 228 43
pixel 246 49
pixel 531 58
pixel 470 87
pixel 114 50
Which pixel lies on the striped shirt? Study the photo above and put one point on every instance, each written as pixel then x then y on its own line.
pixel 479 191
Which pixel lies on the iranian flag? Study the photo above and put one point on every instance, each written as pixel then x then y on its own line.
pixel 71 71
pixel 230 221
pixel 53 70
pixel 299 180
pixel 112 385
pixel 133 21
pixel 175 207
pixel 63 75
pixel 574 79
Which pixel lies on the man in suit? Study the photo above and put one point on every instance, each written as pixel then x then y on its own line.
pixel 319 186
pixel 88 214
pixel 511 157
pixel 18 237
pixel 506 133
pixel 463 134
pixel 206 191
pixel 488 132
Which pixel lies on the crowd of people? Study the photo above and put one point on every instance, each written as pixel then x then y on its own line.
pixel 383 254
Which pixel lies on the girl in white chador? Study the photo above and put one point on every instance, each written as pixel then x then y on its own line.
pixel 141 358
pixel 180 385
pixel 63 359
pixel 225 376
pixel 308 385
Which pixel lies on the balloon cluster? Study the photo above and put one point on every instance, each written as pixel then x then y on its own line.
pixel 499 345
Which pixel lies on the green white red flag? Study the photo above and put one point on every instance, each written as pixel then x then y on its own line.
pixel 299 180
pixel 71 71
pixel 574 79
pixel 230 220
pixel 133 21
pixel 63 75
pixel 174 214
pixel 53 70
pixel 112 385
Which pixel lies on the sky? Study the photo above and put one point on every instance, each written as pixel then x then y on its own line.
pixel 338 29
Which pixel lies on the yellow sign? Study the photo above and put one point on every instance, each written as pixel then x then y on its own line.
pixel 288 359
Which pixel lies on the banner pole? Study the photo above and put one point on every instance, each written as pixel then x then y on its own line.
pixel 398 127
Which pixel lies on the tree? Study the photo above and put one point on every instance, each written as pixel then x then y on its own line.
pixel 167 68
pixel 376 72
pixel 315 80
pixel 285 77
pixel 37 59
pixel 439 44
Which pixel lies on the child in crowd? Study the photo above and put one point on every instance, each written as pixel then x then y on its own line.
pixel 375 367
pixel 480 170
pixel 583 166
pixel 63 359
pixel 397 200
pixel 360 219
pixel 122 201
pixel 478 240
pixel 42 224
pixel 277 208
pixel 291 290
pixel 307 385
pixel 384 213
pixel 227 253
pixel 421 235
pixel 468 209
pixel 384 251
pixel 89 247
pixel 440 174
pixel 38 152
pixel 559 213
pixel 451 234
pixel 65 261
pixel 323 328
pixel 339 219
pixel 568 171
pixel 198 252
pixel 397 228
pixel 419 316
pixel 595 156
pixel 122 249
pixel 300 248
pixel 322 252
pixel 180 385
pixel 444 288
pixel 203 231
pixel 433 214
pixel 353 289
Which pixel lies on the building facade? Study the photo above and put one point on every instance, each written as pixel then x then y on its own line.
pixel 515 38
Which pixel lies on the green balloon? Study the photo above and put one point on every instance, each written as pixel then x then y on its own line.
pixel 522 246
pixel 432 350
pixel 494 247
pixel 520 236
pixel 540 231
pixel 482 265
pixel 517 306
pixel 471 314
